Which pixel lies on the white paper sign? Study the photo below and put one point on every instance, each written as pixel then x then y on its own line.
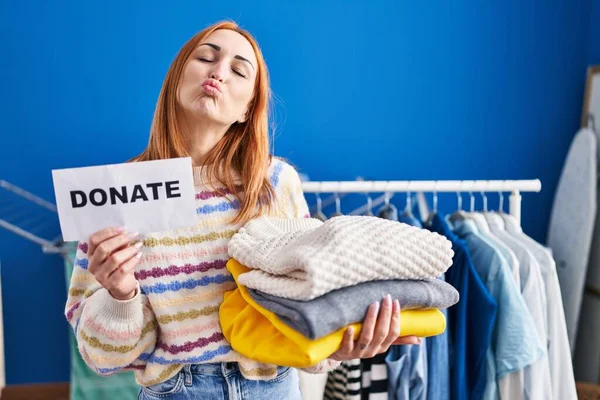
pixel 144 197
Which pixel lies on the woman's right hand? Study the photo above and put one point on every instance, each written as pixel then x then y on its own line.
pixel 112 261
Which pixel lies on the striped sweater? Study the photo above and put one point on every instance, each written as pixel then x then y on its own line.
pixel 174 320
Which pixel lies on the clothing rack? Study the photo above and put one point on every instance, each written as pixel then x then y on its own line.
pixel 27 215
pixel 515 187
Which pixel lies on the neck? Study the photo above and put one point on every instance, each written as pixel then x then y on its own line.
pixel 201 137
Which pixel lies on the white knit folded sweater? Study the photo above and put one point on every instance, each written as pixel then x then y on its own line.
pixel 304 258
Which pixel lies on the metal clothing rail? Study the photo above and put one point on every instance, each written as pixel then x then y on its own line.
pixel 20 214
pixel 515 187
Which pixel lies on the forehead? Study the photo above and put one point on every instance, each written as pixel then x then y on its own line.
pixel 231 43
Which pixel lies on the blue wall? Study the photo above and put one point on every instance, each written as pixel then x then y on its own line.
pixel 491 90
pixel 594 54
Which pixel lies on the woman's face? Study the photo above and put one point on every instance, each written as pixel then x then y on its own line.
pixel 218 80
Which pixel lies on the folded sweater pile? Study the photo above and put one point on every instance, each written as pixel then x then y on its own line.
pixel 305 281
pixel 305 258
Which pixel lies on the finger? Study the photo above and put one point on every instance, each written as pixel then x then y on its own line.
pixel 105 249
pixel 115 260
pixel 125 269
pixel 101 236
pixel 407 340
pixel 382 327
pixel 347 346
pixel 394 325
pixel 366 334
pixel 119 258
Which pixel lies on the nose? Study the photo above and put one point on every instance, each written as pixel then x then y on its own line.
pixel 219 72
pixel 216 76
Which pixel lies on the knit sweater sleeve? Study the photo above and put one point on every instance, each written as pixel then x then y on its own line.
pixel 289 195
pixel 112 335
pixel 293 202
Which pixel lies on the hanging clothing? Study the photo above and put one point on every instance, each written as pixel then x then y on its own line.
pixel 407 366
pixel 586 358
pixel 438 358
pixel 537 376
pixel 515 343
pixel 410 219
pixel 374 378
pixel 483 229
pixel 572 223
pixel 433 351
pixel 312 386
pixel 470 321
pixel 559 353
pixel 344 382
pixel 389 212
pixel 407 371
pixel 438 371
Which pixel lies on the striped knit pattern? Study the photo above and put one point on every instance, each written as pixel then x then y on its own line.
pixel 345 382
pixel 174 319
pixel 374 385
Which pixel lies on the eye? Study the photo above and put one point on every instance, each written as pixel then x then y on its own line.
pixel 204 59
pixel 238 72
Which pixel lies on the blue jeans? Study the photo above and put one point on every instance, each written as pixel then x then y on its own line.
pixel 223 381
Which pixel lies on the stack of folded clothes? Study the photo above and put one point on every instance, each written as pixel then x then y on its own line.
pixel 302 282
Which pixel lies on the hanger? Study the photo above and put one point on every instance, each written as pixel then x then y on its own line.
pixel 408 207
pixel 319 213
pixel 326 201
pixel 459 214
pixel 479 218
pixel 501 203
pixel 472 202
pixel 369 211
pixel 338 203
pixel 332 199
pixel 388 211
pixel 484 201
pixel 495 218
pixel 435 206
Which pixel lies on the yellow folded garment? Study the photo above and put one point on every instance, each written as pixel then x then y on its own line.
pixel 260 335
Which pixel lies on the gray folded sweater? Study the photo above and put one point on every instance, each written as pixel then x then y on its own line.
pixel 336 309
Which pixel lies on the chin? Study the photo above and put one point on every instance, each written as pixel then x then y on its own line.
pixel 208 114
pixel 203 108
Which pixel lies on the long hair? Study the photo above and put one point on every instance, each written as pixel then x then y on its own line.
pixel 244 149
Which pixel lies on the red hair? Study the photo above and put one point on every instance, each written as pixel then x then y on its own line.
pixel 244 149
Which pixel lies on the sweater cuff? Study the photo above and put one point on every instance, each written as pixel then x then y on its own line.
pixel 333 364
pixel 111 309
pixel 266 227
pixel 323 367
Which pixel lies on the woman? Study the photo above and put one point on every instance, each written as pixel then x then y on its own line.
pixel 151 305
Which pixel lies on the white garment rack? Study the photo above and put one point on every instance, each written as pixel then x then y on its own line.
pixel 515 187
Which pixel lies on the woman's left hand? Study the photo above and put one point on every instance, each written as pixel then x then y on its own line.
pixel 380 330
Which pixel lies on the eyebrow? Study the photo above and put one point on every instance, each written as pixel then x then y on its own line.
pixel 218 48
